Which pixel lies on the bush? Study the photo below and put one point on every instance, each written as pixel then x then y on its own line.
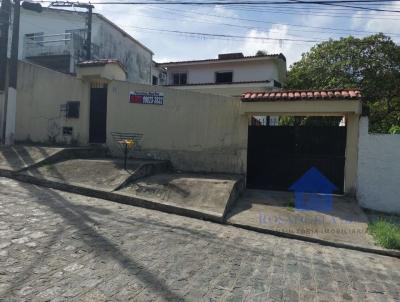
pixel 386 233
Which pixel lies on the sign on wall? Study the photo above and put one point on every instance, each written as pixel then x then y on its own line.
pixel 152 98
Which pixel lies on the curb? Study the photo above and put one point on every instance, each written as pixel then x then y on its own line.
pixel 144 203
pixel 390 253
pixel 111 196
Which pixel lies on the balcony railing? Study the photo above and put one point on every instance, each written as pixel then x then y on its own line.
pixel 56 44
pixel 43 49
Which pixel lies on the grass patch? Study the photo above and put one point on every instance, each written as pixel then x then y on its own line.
pixel 291 205
pixel 386 232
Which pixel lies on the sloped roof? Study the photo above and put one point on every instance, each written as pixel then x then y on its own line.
pixel 101 62
pixel 280 55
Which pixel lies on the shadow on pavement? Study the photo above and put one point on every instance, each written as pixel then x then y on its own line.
pixel 76 216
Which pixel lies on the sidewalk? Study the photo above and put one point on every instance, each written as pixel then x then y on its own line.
pixel 274 211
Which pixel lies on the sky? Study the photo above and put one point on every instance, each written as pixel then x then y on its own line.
pixel 293 30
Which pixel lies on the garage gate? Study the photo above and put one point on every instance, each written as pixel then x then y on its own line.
pixel 279 155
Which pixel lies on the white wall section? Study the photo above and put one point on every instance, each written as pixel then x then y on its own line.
pixel 378 170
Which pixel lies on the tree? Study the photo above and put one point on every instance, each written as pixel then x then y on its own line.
pixel 371 64
pixel 261 53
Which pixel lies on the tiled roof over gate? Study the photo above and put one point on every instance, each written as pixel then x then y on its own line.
pixel 292 95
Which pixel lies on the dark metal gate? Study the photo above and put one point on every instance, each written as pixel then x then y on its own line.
pixel 277 156
pixel 98 115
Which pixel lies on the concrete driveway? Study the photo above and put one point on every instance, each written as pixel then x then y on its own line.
pixel 273 210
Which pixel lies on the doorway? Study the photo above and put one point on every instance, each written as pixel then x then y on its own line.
pixel 98 115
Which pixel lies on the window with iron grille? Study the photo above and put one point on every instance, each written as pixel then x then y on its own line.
pixel 72 109
pixel 67 130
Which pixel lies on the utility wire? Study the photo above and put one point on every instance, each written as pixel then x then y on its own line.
pixel 274 23
pixel 225 36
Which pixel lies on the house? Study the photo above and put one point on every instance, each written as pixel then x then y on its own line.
pixel 230 74
pixel 158 74
pixel 56 39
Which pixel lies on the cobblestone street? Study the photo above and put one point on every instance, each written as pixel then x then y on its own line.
pixel 61 246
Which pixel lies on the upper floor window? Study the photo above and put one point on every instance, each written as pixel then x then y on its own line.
pixel 224 77
pixel 179 78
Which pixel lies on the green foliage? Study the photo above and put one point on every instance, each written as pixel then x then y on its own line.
pixel 386 233
pixel 394 130
pixel 291 205
pixel 371 64
pixel 261 53
pixel 309 121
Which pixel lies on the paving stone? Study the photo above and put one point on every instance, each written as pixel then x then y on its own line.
pixel 57 246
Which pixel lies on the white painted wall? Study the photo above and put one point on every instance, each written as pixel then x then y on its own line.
pixel 49 22
pixel 112 43
pixel 378 183
pixel 243 71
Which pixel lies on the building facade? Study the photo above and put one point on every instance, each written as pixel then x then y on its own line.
pixel 230 74
pixel 56 39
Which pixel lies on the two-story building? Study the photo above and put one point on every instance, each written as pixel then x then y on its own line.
pixel 230 74
pixel 56 38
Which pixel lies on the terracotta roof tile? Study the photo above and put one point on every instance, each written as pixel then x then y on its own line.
pixel 303 95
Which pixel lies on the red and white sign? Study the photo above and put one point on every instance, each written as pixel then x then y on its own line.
pixel 150 98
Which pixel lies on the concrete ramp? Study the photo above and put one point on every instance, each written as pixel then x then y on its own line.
pixel 210 195
pixel 18 157
pixel 104 174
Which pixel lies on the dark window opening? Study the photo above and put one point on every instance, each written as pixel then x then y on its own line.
pixel 67 130
pixel 73 109
pixel 277 84
pixel 224 77
pixel 155 80
pixel 179 78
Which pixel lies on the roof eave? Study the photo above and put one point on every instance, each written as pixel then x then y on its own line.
pixel 218 61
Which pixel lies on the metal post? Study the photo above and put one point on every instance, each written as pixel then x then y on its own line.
pixel 89 33
pixel 10 102
pixel 125 154
pixel 4 27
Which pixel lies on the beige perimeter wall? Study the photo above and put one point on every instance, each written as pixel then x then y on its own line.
pixel 41 92
pixel 197 132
